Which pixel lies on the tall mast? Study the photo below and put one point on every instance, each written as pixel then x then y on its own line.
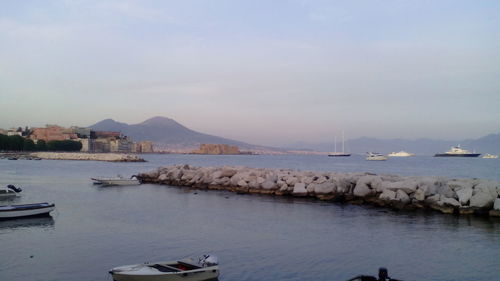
pixel 335 143
pixel 343 142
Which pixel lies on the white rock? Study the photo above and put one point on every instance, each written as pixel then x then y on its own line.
pixel 496 205
pixel 419 195
pixel 325 188
pixel 299 189
pixel 449 201
pixel 366 185
pixel 481 200
pixel 407 186
pixel 464 194
pixel 269 185
pixel 387 195
pixel 402 196
pixel 434 198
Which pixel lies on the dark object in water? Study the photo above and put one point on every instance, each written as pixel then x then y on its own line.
pixel 383 275
pixel 12 187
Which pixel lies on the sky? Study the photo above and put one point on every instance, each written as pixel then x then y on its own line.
pixel 263 72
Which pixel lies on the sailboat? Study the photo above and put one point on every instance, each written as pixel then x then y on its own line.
pixel 339 154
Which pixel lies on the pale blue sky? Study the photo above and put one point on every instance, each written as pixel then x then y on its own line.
pixel 265 72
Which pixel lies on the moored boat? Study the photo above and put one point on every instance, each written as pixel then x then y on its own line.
pixel 490 156
pixel 25 210
pixel 119 180
pixel 400 154
pixel 339 154
pixel 374 156
pixel 456 151
pixel 205 268
pixel 9 191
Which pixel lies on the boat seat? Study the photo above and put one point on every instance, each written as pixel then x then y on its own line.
pixel 165 268
pixel 189 266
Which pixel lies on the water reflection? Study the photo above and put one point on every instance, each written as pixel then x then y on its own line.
pixel 42 222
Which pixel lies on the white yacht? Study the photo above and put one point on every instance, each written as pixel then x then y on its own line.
pixel 374 156
pixel 400 154
pixel 490 156
pixel 457 151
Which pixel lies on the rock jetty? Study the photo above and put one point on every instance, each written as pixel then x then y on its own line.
pixel 110 157
pixel 450 196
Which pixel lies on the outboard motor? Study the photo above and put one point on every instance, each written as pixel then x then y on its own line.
pixel 208 260
pixel 16 189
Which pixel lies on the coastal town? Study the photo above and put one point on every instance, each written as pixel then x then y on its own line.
pixel 91 141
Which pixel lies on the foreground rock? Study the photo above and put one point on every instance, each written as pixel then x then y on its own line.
pixel 457 196
pixel 110 157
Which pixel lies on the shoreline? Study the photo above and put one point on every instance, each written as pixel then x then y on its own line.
pixel 448 196
pixel 107 157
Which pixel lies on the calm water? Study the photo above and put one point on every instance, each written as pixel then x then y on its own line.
pixel 255 237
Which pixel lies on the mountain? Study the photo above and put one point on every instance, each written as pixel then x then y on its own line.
pixel 167 134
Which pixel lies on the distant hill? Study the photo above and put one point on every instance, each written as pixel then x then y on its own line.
pixel 487 144
pixel 167 134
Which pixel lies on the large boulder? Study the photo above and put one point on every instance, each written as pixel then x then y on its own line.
pixel 464 194
pixel 402 196
pixel 299 189
pixel 388 195
pixel 482 200
pixel 367 185
pixel 325 188
pixel 496 204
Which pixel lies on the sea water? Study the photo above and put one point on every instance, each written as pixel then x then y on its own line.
pixel 256 237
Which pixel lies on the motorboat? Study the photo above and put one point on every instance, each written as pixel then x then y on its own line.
pixel 205 268
pixel 490 156
pixel 25 210
pixel 383 275
pixel 339 154
pixel 457 151
pixel 9 191
pixel 402 153
pixel 374 156
pixel 119 180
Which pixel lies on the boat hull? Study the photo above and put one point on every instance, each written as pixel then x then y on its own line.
pixel 29 210
pixel 339 155
pixel 457 155
pixel 145 273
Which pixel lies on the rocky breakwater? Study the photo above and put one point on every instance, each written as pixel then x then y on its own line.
pixel 450 196
pixel 110 157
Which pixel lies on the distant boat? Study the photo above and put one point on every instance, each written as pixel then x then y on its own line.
pixel 339 154
pixel 374 156
pixel 400 154
pixel 26 210
pixel 119 180
pixel 490 156
pixel 456 151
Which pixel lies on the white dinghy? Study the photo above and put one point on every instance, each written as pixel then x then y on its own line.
pixel 25 210
pixel 205 268
pixel 119 180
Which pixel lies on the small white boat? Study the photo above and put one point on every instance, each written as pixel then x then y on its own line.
pixel 9 191
pixel 400 154
pixel 25 210
pixel 374 156
pixel 119 180
pixel 490 156
pixel 205 268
